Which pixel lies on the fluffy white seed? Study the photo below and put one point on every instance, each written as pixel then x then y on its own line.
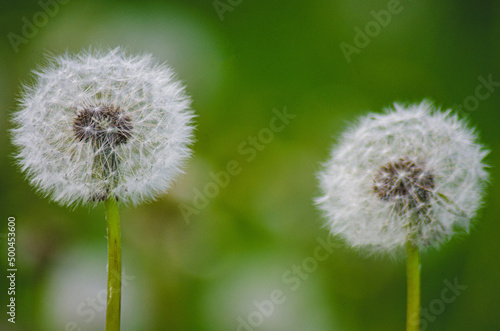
pixel 413 173
pixel 102 123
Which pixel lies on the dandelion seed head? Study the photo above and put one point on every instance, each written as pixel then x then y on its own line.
pixel 413 173
pixel 103 123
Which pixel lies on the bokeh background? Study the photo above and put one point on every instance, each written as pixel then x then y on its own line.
pixel 210 271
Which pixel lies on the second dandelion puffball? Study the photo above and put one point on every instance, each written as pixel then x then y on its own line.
pixel 412 174
pixel 103 124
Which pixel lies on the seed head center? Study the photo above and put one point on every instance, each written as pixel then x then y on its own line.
pixel 102 125
pixel 407 183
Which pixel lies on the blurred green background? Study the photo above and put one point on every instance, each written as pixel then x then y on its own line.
pixel 212 270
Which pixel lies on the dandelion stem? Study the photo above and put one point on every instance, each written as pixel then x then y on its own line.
pixel 413 285
pixel 113 303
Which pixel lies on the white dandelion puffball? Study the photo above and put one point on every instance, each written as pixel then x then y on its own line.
pixel 103 124
pixel 411 174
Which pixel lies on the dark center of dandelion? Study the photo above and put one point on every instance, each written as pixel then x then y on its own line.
pixel 102 125
pixel 407 183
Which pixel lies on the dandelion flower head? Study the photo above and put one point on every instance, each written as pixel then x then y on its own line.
pixel 103 124
pixel 413 173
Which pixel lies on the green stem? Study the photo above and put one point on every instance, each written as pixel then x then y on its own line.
pixel 113 303
pixel 413 285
